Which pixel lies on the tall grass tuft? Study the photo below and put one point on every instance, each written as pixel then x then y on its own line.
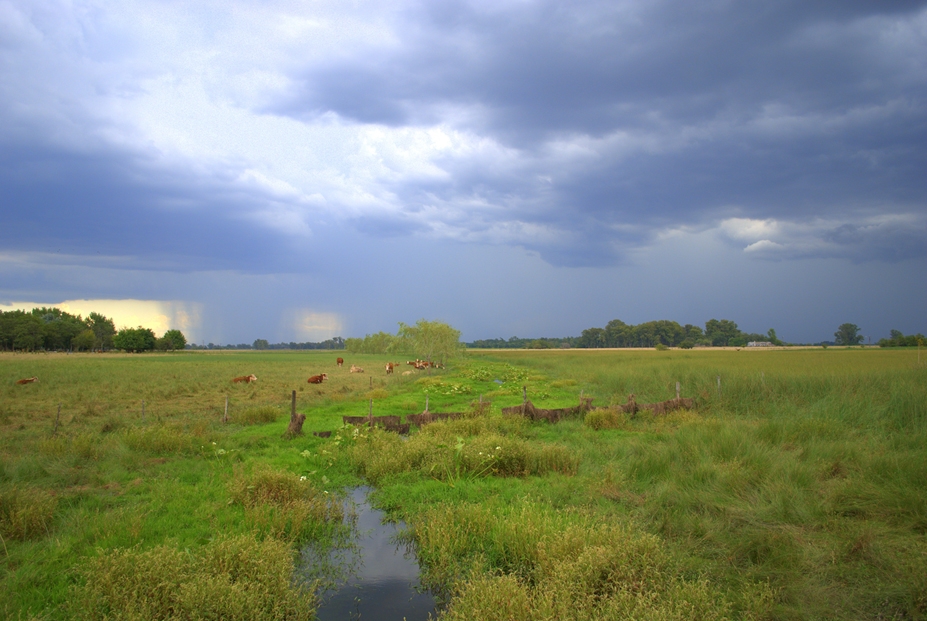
pixel 284 506
pixel 440 452
pixel 531 562
pixel 233 579
pixel 258 415
pixel 607 418
pixel 25 512
pixel 161 440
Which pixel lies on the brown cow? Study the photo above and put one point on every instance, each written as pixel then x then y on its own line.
pixel 28 380
pixel 318 379
pixel 390 366
pixel 340 362
pixel 247 379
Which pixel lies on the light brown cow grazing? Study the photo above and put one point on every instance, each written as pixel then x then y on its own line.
pixel 356 369
pixel 247 379
pixel 340 362
pixel 28 380
pixel 318 379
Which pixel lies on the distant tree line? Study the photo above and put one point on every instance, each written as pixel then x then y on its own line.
pixel 897 339
pixel 661 333
pixel 717 333
pixel 519 343
pixel 332 343
pixel 52 329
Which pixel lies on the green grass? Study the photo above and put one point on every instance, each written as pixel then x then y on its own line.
pixel 796 491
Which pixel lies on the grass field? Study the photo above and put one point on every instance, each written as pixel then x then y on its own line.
pixel 796 490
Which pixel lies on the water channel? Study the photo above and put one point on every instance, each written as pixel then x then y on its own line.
pixel 375 578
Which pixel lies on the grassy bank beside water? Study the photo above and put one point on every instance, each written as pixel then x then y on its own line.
pixel 796 490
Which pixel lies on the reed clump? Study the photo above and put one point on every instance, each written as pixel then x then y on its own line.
pixel 235 578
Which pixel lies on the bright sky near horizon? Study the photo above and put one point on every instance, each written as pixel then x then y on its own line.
pixel 296 170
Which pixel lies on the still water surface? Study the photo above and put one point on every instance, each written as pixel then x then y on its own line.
pixel 376 577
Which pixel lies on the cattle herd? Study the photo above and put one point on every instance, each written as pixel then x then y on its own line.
pixel 318 379
pixel 315 379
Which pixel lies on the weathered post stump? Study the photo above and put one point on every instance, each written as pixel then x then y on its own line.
pixel 295 427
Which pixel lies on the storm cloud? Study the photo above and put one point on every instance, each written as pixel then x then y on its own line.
pixel 329 154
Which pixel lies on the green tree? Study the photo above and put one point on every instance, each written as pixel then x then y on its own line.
pixel 173 340
pixel 771 335
pixel 721 332
pixel 135 339
pixel 83 341
pixel 593 337
pixel 103 330
pixel 58 327
pixel 430 340
pixel 379 343
pixel 693 333
pixel 618 333
pixel 260 344
pixel 27 334
pixel 848 334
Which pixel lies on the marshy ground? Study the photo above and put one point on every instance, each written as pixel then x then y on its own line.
pixel 796 490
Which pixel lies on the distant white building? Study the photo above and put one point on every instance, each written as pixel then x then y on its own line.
pixel 759 344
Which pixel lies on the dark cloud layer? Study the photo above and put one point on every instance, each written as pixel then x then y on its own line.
pixel 783 110
pixel 542 68
pixel 126 205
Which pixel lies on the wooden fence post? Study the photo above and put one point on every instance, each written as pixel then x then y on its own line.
pixel 143 409
pixel 677 391
pixel 57 418
pixel 225 417
pixel 719 385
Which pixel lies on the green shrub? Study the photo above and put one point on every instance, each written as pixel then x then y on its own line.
pixel 25 512
pixel 231 579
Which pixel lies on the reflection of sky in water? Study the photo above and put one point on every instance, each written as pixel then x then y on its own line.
pixel 376 578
